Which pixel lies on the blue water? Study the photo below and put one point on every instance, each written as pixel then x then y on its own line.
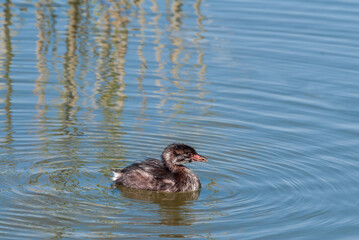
pixel 266 90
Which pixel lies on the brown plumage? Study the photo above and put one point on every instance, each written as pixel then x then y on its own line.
pixel 168 175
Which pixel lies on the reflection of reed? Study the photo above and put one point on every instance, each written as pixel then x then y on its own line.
pixel 143 66
pixel 158 52
pixel 181 56
pixel 142 21
pixel 8 55
pixel 159 46
pixel 46 26
pixel 41 51
pixel 177 15
pixel 176 40
pixel 65 177
pixel 200 18
pixel 112 41
pixel 70 94
pixel 200 62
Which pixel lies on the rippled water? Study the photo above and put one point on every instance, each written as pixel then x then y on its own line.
pixel 266 90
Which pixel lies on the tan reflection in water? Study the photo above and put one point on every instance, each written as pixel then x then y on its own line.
pixel 158 45
pixel 200 62
pixel 112 40
pixel 66 178
pixel 158 49
pixel 180 56
pixel 177 41
pixel 69 93
pixel 7 55
pixel 45 23
pixel 111 46
pixel 143 66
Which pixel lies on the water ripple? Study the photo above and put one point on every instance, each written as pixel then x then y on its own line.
pixel 265 90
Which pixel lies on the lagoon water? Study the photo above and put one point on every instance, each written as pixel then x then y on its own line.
pixel 266 90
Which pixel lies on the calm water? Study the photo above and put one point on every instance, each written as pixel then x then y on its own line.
pixel 266 90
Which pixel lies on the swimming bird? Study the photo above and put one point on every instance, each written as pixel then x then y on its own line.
pixel 167 175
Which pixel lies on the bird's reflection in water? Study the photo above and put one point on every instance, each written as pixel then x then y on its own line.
pixel 174 209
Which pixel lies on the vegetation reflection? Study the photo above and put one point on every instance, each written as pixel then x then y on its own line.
pixel 6 58
pixel 94 59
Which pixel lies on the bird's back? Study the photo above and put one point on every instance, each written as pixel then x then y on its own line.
pixel 150 174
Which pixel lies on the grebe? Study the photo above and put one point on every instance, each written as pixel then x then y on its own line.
pixel 168 175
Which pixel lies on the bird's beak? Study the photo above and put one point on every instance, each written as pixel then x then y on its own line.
pixel 198 158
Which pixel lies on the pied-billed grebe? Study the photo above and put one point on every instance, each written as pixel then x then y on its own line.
pixel 168 175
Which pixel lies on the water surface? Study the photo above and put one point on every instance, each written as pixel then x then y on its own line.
pixel 267 91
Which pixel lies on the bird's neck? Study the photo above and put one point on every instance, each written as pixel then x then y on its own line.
pixel 185 179
pixel 167 160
